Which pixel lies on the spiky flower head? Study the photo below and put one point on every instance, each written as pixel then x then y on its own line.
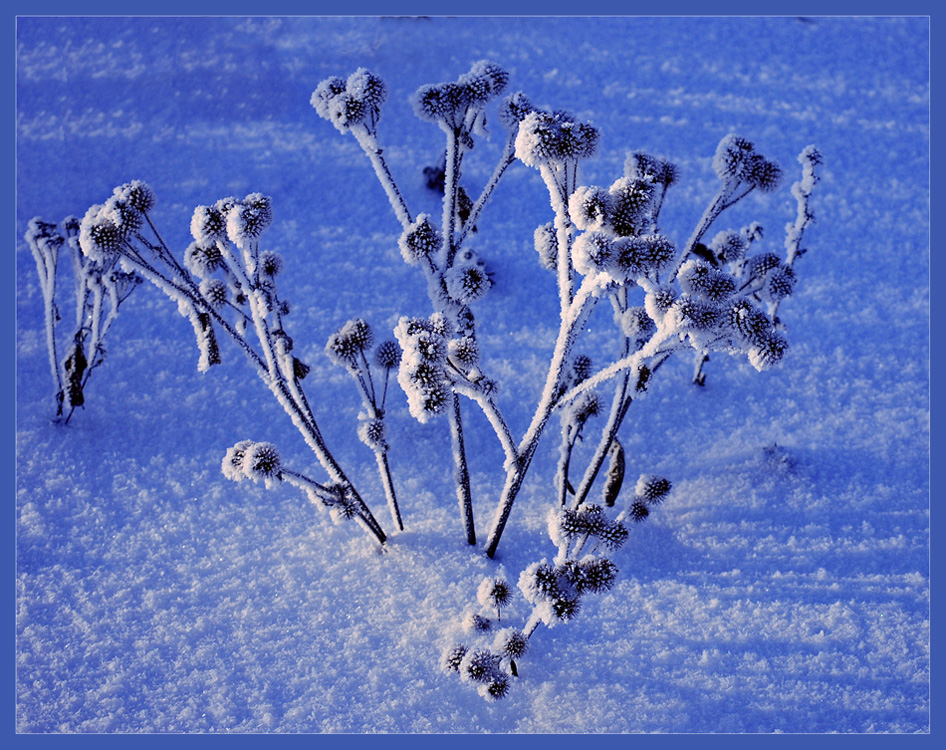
pixel 99 238
pixel 736 159
pixel 546 245
pixel 485 81
pixel 496 689
pixel 348 342
pixel 215 291
pixel 474 622
pixel 511 643
pixel 480 666
pixel 589 207
pixel 420 240
pixel 689 313
pixel 421 373
pixel 261 463
pixel 137 194
pixel 464 351
pixel 592 253
pixel 636 324
pixel 270 264
pixel 597 573
pixel 352 102
pixel 641 165
pixel 514 109
pixel 729 246
pixel 119 210
pixel 249 218
pixel 779 284
pixel 769 351
pixel 467 283
pixel 388 355
pixel 494 592
pixel 702 280
pixel 546 138
pixel 232 464
pixel 452 658
pixel 202 260
pixel 652 489
pixel 758 266
pixel 372 432
pixel 639 511
pixel 632 205
pixel 658 302
pixel 208 225
pixel 750 324
pixel 43 235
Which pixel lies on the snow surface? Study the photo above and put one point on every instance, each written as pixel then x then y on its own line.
pixel 783 586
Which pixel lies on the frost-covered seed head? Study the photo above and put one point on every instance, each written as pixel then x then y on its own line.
pixel 467 283
pixel 137 194
pixel 476 623
pixel 270 264
pixel 420 240
pixel 464 351
pixel 43 235
pixel 613 535
pixel 232 465
pixel 759 265
pixel 208 224
pixel 632 204
pixel 779 284
pixel 655 252
pixel 99 238
pixel 589 207
pixel 388 355
pixel 261 462
pixel 691 314
pixel 122 214
pixel 452 657
pixel 731 157
pixel 769 351
pixel 366 87
pixel 652 489
pixel 702 280
pixel 546 245
pixel 372 433
pixel 349 341
pixel 729 246
pixel 598 573
pixel 514 109
pixel 554 138
pixel 581 368
pixel 202 260
pixel 762 173
pixel 480 666
pixel 443 102
pixel 494 592
pixel 247 220
pixel 641 165
pixel 215 291
pixel 324 93
pixel 497 688
pixel 658 302
pixel 484 81
pixel 749 322
pixel 636 324
pixel 639 511
pixel 511 642
pixel 592 253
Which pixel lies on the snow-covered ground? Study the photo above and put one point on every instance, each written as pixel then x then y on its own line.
pixel 784 585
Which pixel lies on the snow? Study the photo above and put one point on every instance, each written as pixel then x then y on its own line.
pixel 782 585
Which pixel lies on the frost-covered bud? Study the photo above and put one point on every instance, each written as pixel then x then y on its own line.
pixel 441 325
pixel 598 573
pixel 232 465
pixel 442 102
pixel 729 246
pixel 367 88
pixel 480 666
pixel 639 511
pixel 759 265
pixel 514 109
pixel 494 592
pixel 613 535
pixel 126 218
pixel 202 260
pixel 592 253
pixel 658 302
pixel 496 689
pixel 630 263
pixel 420 240
pixel 762 173
pixel 467 283
pixel 632 204
pixel 341 503
pixel 769 351
pixel 476 623
pixel 261 463
pixel 587 405
pixel 511 643
pixel 690 314
pixel 99 238
pixel 654 253
pixel 749 322
pixel 589 207
pixel 537 582
pixel 636 324
pixel 323 95
pixel 732 155
pixel 779 284
pixel 652 489
pixel 388 355
pixel 247 220
pixel 352 339
pixel 372 431
pixel 452 658
pixel 553 138
pixel 215 291
pixel 208 225
pixel 546 245
pixel 484 81
pixel 137 194
pixel 270 264
pixel 581 368
pixel 641 165
pixel 464 351
pixel 702 280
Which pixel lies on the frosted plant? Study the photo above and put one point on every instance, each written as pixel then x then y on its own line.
pixel 100 288
pixel 226 284
pixel 586 540
pixel 349 347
